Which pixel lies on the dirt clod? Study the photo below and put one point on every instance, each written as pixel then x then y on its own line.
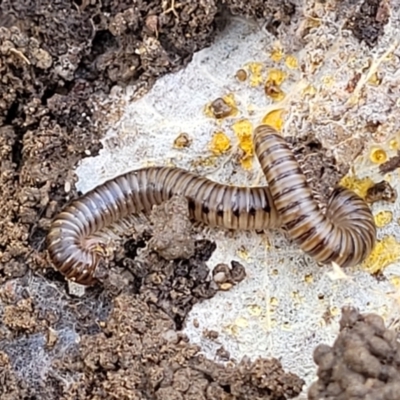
pixel 321 169
pixel 381 191
pixel 220 108
pixel 361 364
pixel 134 357
pixel 390 165
pixel 175 286
pixel 20 317
pixel 369 20
pixel 226 277
pixel 172 230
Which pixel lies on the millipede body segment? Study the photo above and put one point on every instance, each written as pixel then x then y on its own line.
pixel 345 234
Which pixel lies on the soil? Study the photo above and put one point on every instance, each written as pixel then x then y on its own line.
pixel 369 20
pixel 322 171
pixel 59 61
pixel 361 364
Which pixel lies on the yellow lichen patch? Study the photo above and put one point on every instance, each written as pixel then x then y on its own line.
pixel 247 163
pixel 222 107
pixel 230 100
pixel 291 62
pixel 297 298
pixel 208 111
pixel 386 252
pixel 243 254
pixel 383 218
pixel 272 85
pixel 276 53
pixel 204 162
pixel 328 81
pixel 359 186
pixel 276 76
pixel 309 90
pixel 274 119
pixel 335 311
pixel 255 69
pixel 272 323
pixel 309 278
pixel 220 143
pixel 244 131
pixel 395 281
pixel 274 302
pixel 378 155
pixel 254 310
pixel 374 79
pixel 234 328
pixel 231 330
pixel 241 322
pixel 394 144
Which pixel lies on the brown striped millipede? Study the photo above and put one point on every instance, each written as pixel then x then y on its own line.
pixel 345 234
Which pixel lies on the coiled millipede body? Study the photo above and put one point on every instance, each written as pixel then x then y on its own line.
pixel 345 234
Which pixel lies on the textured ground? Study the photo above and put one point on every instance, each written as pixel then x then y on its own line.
pixel 59 61
pixel 363 363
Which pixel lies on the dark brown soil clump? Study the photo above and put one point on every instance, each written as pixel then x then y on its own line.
pixel 139 355
pixel 321 169
pixel 369 20
pixel 363 363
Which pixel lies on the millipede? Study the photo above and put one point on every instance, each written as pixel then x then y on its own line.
pixel 345 233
